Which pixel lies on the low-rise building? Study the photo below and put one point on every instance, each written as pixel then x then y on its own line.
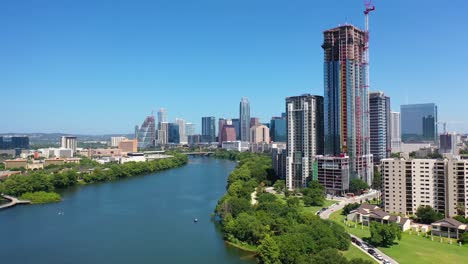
pixel 332 173
pixel 5 174
pixel 16 164
pixel 240 146
pixel 126 146
pixel 449 228
pixel 368 213
pixel 104 152
pixel 55 161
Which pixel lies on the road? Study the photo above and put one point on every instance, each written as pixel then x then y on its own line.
pixel 344 201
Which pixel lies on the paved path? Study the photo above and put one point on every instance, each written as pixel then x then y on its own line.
pixel 13 201
pixel 335 207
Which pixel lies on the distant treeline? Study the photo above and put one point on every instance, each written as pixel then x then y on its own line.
pixel 17 185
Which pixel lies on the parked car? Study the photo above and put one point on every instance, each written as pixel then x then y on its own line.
pixel 371 251
pixel 358 243
pixel 354 240
pixel 364 247
pixel 379 257
pixel 386 261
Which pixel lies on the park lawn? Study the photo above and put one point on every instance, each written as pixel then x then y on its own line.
pixel 353 252
pixel 413 248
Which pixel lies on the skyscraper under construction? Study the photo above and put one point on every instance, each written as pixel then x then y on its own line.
pixel 346 98
pixel 146 134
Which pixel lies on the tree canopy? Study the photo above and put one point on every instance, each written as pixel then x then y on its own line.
pixel 427 215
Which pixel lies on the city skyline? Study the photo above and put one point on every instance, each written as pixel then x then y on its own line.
pixel 74 58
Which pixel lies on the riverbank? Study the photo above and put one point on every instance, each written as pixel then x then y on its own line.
pixel 42 186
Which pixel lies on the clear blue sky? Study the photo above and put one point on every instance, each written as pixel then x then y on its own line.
pixel 101 66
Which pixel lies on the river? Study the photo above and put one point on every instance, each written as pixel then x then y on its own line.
pixel 146 219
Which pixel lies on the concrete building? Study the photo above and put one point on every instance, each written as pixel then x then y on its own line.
pixel 228 133
pixel 209 129
pixel 236 124
pixel 163 133
pixel 409 184
pixel 254 121
pixel 237 145
pixel 221 123
pixel 346 93
pixel 259 133
pixel 332 173
pixel 15 164
pixel 279 161
pixel 194 139
pixel 182 133
pixel 261 147
pixel 419 123
pixel 127 146
pixel 379 118
pixel 174 136
pixel 63 153
pixel 110 152
pixel 305 137
pixel 69 142
pixel 162 116
pixel 244 118
pixel 395 126
pixel 116 140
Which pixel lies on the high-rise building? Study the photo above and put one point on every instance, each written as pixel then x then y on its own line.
pixel 162 116
pixel 254 121
pixel 409 184
pixel 15 142
pixel 163 133
pixel 221 123
pixel 116 140
pixel 278 129
pixel 190 129
pixel 448 143
pixel 69 142
pixel 244 118
pixel 259 134
pixel 347 99
pixel 305 137
pixel 182 133
pixel 236 124
pixel 209 129
pixel 419 123
pixel 146 134
pixel 396 131
pixel 174 133
pixel 379 117
pixel 228 133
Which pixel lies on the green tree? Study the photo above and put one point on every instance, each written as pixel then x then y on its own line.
pixel 464 238
pixel 427 215
pixel 357 186
pixel 268 251
pixel 329 256
pixel 350 207
pixel 384 234
pixel 279 186
pixel 377 181
pixel 314 194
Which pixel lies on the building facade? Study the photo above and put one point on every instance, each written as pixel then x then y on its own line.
pixel 304 137
pixel 440 184
pixel 395 126
pixel 278 129
pixel 15 142
pixel 346 107
pixel 259 133
pixel 228 133
pixel 244 119
pixel 379 118
pixel 128 146
pixel 332 173
pixel 174 136
pixel 69 142
pixel 146 134
pixel 209 129
pixel 237 145
pixel 162 116
pixel 419 123
pixel 182 133
pixel 163 133
pixel 116 140
pixel 190 129
pixel 448 144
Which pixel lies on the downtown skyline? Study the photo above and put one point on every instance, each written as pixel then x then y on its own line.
pixel 107 84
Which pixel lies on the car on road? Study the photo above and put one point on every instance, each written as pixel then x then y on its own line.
pixel 386 261
pixel 353 239
pixel 371 251
pixel 358 243
pixel 364 247
pixel 379 257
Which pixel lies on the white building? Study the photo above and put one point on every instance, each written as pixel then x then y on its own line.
pixel 182 133
pixel 69 142
pixel 395 125
pixel 63 153
pixel 116 140
pixel 238 145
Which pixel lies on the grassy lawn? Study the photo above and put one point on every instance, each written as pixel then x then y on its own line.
pixel 354 252
pixel 315 209
pixel 413 248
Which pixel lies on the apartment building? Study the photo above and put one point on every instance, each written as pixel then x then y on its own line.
pixel 409 184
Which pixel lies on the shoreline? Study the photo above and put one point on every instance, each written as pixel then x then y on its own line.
pixel 241 247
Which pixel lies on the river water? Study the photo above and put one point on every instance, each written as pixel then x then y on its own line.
pixel 146 219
